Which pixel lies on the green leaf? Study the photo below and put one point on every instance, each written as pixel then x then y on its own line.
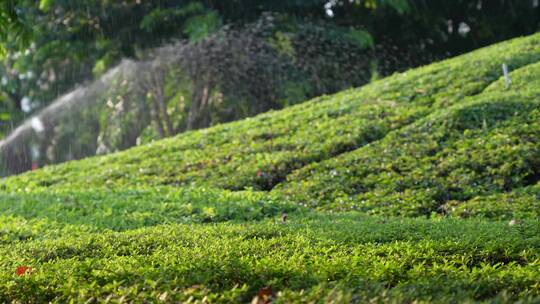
pixel 199 27
pixel 361 38
pixel 401 6
pixel 45 5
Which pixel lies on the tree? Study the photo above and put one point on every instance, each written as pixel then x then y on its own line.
pixel 73 41
pixel 234 63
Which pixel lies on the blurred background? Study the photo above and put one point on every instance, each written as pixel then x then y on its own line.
pixel 87 77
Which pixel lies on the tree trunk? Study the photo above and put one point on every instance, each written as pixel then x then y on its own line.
pixel 155 117
pixel 198 112
pixel 159 95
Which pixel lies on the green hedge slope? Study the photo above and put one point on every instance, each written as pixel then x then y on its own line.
pixel 424 186
pixel 261 152
pixel 485 144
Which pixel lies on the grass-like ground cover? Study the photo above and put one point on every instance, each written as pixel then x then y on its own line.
pixel 397 191
pixel 313 256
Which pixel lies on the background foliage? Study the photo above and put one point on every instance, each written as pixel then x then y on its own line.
pixel 260 54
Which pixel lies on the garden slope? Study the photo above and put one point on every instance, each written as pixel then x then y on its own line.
pixel 199 217
pixel 484 145
pixel 423 141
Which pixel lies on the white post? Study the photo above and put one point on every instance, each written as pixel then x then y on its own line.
pixel 506 76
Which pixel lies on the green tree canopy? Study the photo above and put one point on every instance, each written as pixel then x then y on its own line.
pixel 50 46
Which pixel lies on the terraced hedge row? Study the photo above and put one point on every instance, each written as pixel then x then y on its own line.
pixel 485 145
pixel 261 152
pixel 312 257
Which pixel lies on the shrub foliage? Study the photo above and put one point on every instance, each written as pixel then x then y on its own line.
pixel 435 172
